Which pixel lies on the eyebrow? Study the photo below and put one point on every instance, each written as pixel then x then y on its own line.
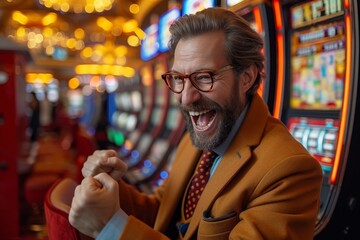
pixel 198 70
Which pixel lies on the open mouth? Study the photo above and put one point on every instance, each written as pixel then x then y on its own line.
pixel 202 120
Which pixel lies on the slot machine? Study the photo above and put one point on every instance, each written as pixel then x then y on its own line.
pixel 159 153
pixel 154 167
pixel 128 140
pixel 259 14
pixel 316 97
pixel 157 119
pixel 124 109
pixel 149 49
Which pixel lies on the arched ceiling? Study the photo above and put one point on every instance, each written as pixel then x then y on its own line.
pixel 65 24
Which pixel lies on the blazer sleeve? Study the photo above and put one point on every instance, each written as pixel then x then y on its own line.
pixel 142 210
pixel 136 229
pixel 140 205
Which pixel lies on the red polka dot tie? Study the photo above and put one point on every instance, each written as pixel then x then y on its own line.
pixel 198 182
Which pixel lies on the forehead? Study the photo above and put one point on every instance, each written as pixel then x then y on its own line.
pixel 200 52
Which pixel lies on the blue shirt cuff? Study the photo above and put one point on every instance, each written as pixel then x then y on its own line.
pixel 114 227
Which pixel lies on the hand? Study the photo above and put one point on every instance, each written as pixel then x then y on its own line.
pixel 95 201
pixel 104 161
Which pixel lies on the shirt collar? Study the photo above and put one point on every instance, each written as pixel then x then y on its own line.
pixel 220 150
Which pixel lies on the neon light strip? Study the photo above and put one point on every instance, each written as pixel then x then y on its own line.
pixel 344 110
pixel 257 17
pixel 280 61
pixel 278 20
pixel 280 75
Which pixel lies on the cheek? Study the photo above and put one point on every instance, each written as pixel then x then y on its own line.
pixel 222 99
pixel 177 97
pixel 225 94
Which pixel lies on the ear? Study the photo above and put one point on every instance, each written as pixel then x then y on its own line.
pixel 248 77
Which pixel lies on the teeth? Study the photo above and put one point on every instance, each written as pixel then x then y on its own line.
pixel 198 113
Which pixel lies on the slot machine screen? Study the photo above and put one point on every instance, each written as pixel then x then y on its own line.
pixel 150 46
pixel 136 101
pixel 193 6
pixel 131 122
pixel 165 21
pixel 156 115
pixel 230 3
pixel 75 103
pixel 318 67
pixel 125 99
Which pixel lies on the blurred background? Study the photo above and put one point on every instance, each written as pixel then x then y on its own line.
pixel 81 75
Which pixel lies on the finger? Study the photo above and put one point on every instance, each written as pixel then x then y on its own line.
pixel 100 156
pixel 105 153
pixel 91 184
pixel 98 162
pixel 119 168
pixel 105 180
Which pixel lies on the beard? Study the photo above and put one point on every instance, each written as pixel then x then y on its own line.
pixel 228 115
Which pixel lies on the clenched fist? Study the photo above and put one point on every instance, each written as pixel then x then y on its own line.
pixel 106 161
pixel 95 201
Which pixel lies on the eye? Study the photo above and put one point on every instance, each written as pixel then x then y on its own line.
pixel 174 78
pixel 202 77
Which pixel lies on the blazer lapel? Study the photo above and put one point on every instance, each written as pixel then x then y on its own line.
pixel 230 164
pixel 179 177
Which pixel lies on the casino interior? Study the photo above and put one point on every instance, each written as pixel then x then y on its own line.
pixel 82 75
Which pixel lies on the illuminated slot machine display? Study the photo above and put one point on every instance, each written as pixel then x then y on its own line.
pixel 165 20
pixel 316 97
pixel 193 6
pixel 161 148
pixel 259 14
pixel 123 109
pixel 74 103
pixel 145 107
pixel 157 120
pixel 136 105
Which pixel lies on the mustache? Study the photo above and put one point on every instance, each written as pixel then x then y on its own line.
pixel 199 106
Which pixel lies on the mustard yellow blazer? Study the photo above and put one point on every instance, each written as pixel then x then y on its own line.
pixel 266 186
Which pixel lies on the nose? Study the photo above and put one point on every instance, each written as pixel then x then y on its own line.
pixel 190 94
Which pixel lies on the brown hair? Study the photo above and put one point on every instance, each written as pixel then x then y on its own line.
pixel 243 45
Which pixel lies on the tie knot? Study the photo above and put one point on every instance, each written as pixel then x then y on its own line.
pixel 207 158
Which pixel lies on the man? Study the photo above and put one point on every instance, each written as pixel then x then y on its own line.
pixel 263 183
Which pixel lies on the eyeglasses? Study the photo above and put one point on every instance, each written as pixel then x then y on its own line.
pixel 202 80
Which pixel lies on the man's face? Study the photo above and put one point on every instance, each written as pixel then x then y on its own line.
pixel 209 115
